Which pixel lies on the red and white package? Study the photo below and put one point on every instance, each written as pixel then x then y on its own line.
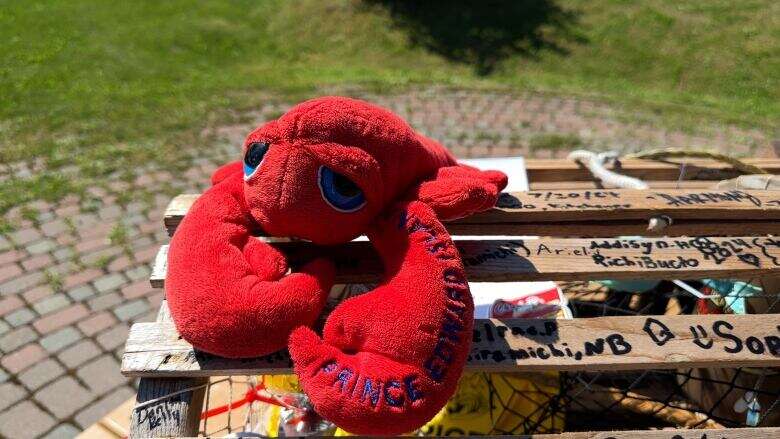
pixel 526 300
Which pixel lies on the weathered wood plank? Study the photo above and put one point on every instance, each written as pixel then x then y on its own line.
pixel 580 229
pixel 517 345
pixel 726 433
pixel 157 414
pixel 500 260
pixel 547 170
pixel 597 185
pixel 178 415
pixel 592 205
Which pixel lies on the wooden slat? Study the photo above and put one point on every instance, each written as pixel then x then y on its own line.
pixel 544 170
pixel 581 229
pixel 591 205
pixel 517 345
pixel 564 259
pixel 157 415
pixel 725 433
pixel 596 185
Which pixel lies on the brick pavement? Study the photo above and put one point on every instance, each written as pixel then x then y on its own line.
pixel 70 289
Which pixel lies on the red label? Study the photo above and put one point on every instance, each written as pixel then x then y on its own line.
pixel 535 305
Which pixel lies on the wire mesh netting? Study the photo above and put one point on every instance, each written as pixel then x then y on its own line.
pixel 551 402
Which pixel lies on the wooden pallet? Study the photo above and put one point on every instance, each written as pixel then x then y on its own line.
pixel 567 204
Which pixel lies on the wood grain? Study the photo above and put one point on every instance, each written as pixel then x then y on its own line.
pixel 518 345
pixel 529 209
pixel 544 170
pixel 178 415
pixel 503 260
pixel 174 416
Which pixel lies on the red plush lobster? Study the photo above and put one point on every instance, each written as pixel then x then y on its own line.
pixel 327 171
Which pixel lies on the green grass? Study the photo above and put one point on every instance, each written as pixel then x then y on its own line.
pixel 107 86
pixel 555 142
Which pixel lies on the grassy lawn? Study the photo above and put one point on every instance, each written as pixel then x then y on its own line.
pixel 106 86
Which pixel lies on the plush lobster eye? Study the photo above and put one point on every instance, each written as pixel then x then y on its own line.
pixel 254 156
pixel 339 191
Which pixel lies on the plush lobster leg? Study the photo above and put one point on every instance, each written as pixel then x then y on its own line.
pixel 460 190
pixel 391 358
pixel 227 291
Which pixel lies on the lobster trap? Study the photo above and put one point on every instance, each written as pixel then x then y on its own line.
pixel 674 294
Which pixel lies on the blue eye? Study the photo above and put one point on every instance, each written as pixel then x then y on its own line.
pixel 339 191
pixel 253 157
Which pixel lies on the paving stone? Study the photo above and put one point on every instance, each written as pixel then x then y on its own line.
pixel 81 293
pixel 9 256
pixel 22 283
pixel 45 216
pixel 87 222
pixel 96 323
pixel 135 219
pixel 147 254
pixel 99 257
pixel 94 412
pixel 19 317
pixel 132 309
pixel 4 327
pixel 114 337
pixel 3 377
pixel 60 339
pixel 40 374
pixel 63 431
pixel 10 303
pixel 22 358
pixel 110 212
pixel 88 245
pixel 64 317
pixel 54 228
pixel 81 277
pixel 105 301
pixel 119 264
pixel 137 289
pixel 51 303
pixel 10 393
pixel 139 272
pixel 16 338
pixel 62 268
pixel 37 293
pixel 63 253
pixel 37 262
pixel 5 244
pixel 142 242
pixel 109 282
pixel 102 374
pixel 63 397
pixel 42 246
pixel 22 237
pixel 9 271
pixel 79 353
pixel 156 298
pixel 16 421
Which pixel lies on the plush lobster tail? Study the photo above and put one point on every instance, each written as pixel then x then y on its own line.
pixel 390 359
pixel 227 291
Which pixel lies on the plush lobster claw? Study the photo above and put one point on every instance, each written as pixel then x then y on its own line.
pixel 228 292
pixel 390 359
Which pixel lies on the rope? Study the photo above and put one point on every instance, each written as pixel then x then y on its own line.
pixel 667 153
pixel 595 163
pixel 251 395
